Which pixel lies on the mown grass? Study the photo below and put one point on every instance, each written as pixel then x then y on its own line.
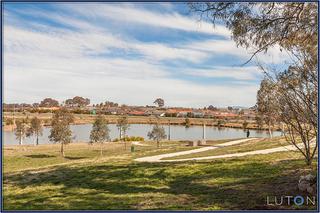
pixel 32 157
pixel 117 182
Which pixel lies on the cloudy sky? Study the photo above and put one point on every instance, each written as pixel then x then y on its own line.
pixel 126 53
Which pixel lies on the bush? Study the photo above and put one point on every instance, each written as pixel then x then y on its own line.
pixel 132 138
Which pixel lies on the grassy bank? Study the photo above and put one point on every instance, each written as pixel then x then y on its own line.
pixel 85 119
pixel 38 178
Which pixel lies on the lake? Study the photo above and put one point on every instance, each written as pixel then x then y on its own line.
pixel 81 133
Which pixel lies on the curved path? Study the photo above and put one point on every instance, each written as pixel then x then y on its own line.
pixel 157 158
pixel 137 143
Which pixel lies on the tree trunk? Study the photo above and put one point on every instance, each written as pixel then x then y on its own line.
pixel 62 150
pixel 169 132
pixel 308 161
pixel 101 149
pixel 20 137
pixel 269 128
pixel 124 140
pixel 37 140
pixel 158 143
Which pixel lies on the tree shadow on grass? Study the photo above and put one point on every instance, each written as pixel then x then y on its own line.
pixel 233 184
pixel 40 156
pixel 74 158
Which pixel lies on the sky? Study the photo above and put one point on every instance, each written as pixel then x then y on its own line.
pixel 129 53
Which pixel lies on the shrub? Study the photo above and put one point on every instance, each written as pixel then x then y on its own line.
pixel 132 138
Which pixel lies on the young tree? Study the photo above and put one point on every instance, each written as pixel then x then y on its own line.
pixel 157 133
pixel 123 126
pixel 35 129
pixel 99 132
pixel 21 130
pixel 60 131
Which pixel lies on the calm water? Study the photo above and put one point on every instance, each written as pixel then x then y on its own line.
pixel 81 133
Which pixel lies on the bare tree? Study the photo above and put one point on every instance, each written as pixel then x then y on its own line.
pixel 297 98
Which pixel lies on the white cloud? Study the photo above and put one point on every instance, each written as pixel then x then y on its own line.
pixel 44 61
pixel 274 55
pixel 128 13
pixel 237 73
pixel 54 65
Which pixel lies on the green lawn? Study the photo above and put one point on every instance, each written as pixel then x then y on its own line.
pixel 115 181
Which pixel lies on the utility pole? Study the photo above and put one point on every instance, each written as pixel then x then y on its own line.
pixel 169 132
pixel 204 134
pixel 14 121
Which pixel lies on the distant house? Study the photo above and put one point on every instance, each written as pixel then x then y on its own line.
pixel 137 113
pixel 49 108
pixel 198 114
pixel 219 114
pixel 163 114
pixel 182 114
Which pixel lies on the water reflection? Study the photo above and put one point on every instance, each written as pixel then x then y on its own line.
pixel 81 133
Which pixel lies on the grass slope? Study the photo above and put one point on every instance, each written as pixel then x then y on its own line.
pixel 117 182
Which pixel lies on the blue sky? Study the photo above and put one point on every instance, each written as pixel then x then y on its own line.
pixel 130 53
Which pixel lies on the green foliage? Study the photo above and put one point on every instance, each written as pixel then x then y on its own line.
pixel 123 126
pixel 60 128
pixel 78 101
pixel 100 130
pixel 21 130
pixel 220 123
pixel 157 133
pixel 159 102
pixel 49 102
pixel 130 138
pixel 35 128
pixel 267 105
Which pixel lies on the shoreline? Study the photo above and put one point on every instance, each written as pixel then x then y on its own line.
pixel 112 119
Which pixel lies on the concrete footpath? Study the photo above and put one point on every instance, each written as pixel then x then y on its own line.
pixel 157 158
